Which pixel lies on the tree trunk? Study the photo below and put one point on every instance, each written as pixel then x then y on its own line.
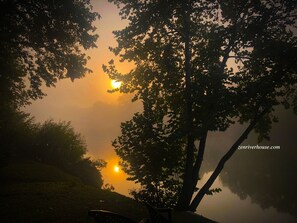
pixel 199 159
pixel 186 192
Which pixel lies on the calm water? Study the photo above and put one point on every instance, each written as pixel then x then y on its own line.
pixel 227 207
pixel 258 186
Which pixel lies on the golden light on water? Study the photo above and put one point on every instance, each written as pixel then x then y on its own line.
pixel 116 84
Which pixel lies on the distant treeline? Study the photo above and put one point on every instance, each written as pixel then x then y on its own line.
pixel 57 144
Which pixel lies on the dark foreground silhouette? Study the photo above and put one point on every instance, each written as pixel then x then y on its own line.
pixel 36 192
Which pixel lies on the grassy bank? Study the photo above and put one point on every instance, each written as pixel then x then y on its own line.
pixel 34 192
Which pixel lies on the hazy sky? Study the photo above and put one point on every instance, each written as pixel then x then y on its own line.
pixel 97 114
pixel 93 112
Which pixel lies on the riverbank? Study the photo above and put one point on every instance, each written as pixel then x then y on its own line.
pixel 42 193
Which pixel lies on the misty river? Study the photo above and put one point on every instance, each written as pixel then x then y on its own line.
pixel 258 185
pixel 227 207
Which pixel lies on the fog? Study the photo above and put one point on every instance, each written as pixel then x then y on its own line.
pixel 251 180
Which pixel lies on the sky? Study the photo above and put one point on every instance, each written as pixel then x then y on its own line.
pixel 97 115
pixel 92 111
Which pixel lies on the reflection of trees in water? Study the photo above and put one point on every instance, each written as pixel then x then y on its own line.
pixel 267 176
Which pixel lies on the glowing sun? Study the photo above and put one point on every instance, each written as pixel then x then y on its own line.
pixel 116 84
pixel 116 169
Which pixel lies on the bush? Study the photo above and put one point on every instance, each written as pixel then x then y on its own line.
pixel 50 143
pixel 59 144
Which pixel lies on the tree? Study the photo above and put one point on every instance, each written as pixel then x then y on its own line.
pixel 41 43
pixel 17 137
pixel 156 158
pixel 88 171
pixel 202 66
pixel 56 144
pixel 59 144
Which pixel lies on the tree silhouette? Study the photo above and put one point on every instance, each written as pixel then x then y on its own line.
pixel 202 66
pixel 156 158
pixel 41 43
pixel 56 144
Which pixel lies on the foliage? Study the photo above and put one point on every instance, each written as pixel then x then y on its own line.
pixel 214 190
pixel 201 66
pixel 158 194
pixel 42 42
pixel 51 143
pixel 155 161
pixel 58 143
pixel 87 171
pixel 17 135
pixel 108 187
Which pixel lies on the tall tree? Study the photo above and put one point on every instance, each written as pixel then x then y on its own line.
pixel 42 42
pixel 202 66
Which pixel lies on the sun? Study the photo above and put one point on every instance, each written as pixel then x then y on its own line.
pixel 116 84
pixel 116 169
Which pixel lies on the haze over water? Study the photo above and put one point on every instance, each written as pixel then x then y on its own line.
pixel 97 115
